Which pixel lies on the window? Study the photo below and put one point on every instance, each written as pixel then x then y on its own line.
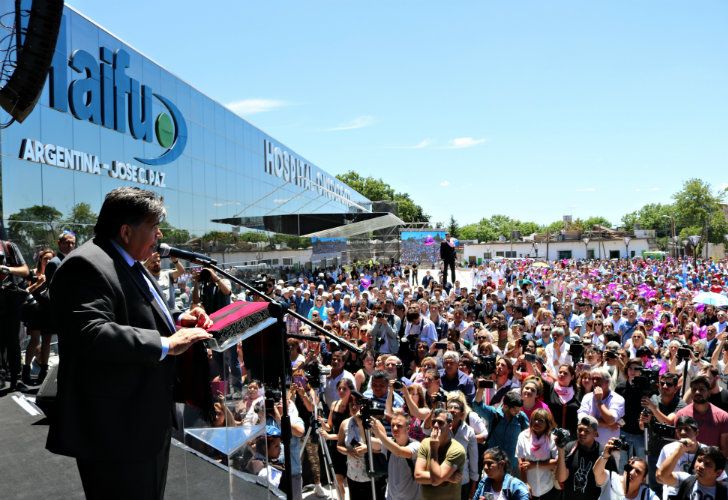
pixel 590 254
pixel 564 254
pixel 510 254
pixel 488 255
pixel 287 262
pixel 499 254
pixel 614 254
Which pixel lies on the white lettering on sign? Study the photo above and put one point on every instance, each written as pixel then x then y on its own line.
pixel 70 159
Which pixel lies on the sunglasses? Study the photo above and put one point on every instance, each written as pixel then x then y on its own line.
pixel 667 384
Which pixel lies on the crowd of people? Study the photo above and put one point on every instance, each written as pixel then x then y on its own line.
pixel 575 379
pixel 591 379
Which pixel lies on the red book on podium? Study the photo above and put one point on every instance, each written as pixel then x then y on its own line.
pixel 238 321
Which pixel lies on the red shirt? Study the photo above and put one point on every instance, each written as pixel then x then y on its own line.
pixel 711 424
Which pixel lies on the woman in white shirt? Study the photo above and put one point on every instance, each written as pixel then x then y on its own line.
pixel 629 485
pixel 537 456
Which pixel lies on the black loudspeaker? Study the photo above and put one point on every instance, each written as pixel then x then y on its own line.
pixel 263 355
pixel 46 397
pixel 23 89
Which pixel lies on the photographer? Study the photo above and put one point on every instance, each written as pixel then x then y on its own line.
pixel 686 428
pixel 351 443
pixel 659 409
pixel 400 466
pixel 576 460
pixel 630 484
pixel 633 390
pixel 419 327
pixel 385 337
pixel 379 391
pixel 440 460
pixel 703 484
pixel 12 269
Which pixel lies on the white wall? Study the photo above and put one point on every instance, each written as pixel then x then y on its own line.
pixel 601 249
pixel 236 258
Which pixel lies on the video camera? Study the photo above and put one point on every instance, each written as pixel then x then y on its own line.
pixel 315 372
pixel 647 382
pixel 576 350
pixel 484 366
pixel 684 352
pixel 369 409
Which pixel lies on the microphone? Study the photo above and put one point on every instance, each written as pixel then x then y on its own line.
pixel 197 258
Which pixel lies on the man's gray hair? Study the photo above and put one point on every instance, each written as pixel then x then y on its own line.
pixel 602 372
pixel 440 411
pixel 451 355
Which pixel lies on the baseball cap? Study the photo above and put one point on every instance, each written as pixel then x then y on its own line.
pixel 590 421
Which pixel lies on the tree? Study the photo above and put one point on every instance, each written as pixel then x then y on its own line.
pixel 81 221
pixel 696 206
pixel 34 227
pixel 590 222
pixel 655 216
pixel 172 235
pixel 453 228
pixel 378 190
pixel 497 225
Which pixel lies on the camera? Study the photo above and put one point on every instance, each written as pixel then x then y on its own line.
pixel 621 444
pixel 530 357
pixel 398 385
pixel 314 372
pixel 561 437
pixel 439 399
pixel 477 325
pixel 523 342
pixel 644 351
pixel 484 366
pixel 271 398
pixel 441 345
pixel 576 350
pixel 611 354
pixel 684 352
pixel 663 430
pixel 369 409
pixel 485 384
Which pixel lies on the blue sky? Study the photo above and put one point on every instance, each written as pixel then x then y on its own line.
pixel 532 109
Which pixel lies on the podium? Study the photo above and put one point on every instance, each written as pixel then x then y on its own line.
pixel 238 439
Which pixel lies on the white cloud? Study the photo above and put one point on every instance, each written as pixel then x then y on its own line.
pixel 358 122
pixel 253 106
pixel 445 184
pixel 464 142
pixel 586 190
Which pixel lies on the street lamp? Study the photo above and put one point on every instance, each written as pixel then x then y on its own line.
pixel 694 242
pixel 672 225
pixel 535 248
pixel 685 244
pixel 586 246
pixel 627 239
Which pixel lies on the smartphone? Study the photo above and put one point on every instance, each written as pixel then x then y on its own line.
pixel 485 384
pixel 441 345
pixel 300 380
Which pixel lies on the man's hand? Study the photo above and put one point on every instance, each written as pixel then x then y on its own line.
pixel 378 428
pixel 184 338
pixel 195 317
pixel 456 478
pixel 690 445
pixel 598 394
pixel 360 451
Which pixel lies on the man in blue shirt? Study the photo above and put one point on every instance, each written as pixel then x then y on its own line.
pixel 505 424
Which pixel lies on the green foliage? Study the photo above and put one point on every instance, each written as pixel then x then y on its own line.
pixel 378 190
pixel 590 222
pixel 293 242
pixel 696 206
pixel 81 221
pixel 453 228
pixel 173 236
pixel 654 216
pixel 497 225
pixel 34 227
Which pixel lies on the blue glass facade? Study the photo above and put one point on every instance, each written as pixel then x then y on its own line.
pixel 226 168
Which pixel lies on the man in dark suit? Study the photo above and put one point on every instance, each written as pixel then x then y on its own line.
pixel 117 347
pixel 447 254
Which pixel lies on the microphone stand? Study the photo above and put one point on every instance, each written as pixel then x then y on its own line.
pixel 276 310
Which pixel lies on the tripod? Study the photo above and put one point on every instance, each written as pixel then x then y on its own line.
pixel 367 424
pixel 328 463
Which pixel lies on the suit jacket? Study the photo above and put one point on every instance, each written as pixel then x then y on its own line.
pixel 115 396
pixel 446 251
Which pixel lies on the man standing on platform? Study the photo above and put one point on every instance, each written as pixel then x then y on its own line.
pixel 117 342
pixel 447 254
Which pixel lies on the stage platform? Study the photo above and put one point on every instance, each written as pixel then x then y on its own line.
pixel 29 471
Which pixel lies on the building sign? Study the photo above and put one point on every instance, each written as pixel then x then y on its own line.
pixel 104 94
pixel 70 159
pixel 295 170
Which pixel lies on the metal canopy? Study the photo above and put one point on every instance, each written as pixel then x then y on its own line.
pixel 331 225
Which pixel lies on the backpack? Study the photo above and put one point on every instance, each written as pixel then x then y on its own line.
pixel 686 488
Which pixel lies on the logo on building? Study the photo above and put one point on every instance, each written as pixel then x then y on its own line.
pixel 104 94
